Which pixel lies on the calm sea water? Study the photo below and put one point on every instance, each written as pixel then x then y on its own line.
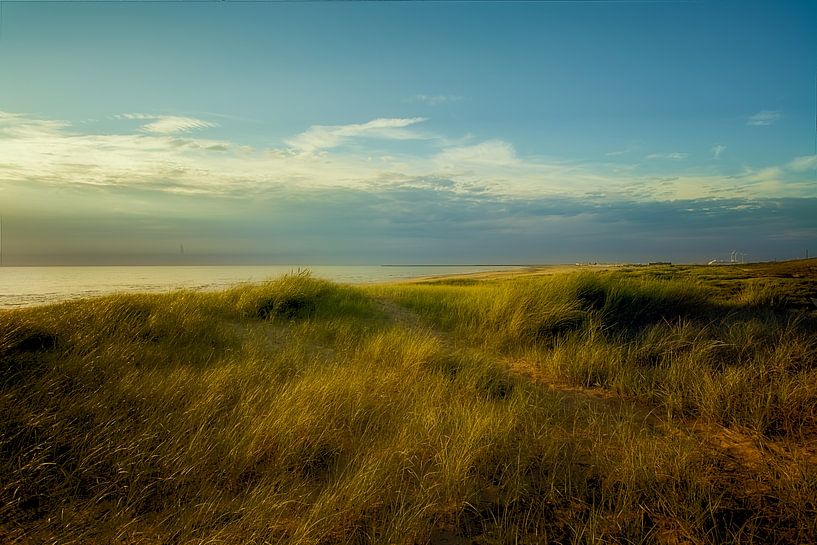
pixel 25 286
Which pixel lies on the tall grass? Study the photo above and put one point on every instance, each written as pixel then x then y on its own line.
pixel 535 310
pixel 747 361
pixel 300 411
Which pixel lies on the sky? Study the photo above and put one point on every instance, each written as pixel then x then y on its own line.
pixel 407 132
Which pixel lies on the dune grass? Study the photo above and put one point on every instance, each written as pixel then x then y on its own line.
pixel 674 344
pixel 302 411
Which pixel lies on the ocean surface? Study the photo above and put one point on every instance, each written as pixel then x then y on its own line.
pixel 26 286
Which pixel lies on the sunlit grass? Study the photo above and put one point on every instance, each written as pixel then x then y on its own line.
pixel 301 411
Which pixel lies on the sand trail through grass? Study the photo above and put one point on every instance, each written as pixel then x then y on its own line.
pixel 572 396
pixel 739 445
pixel 727 365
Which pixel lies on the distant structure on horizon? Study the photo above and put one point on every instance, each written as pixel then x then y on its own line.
pixel 733 259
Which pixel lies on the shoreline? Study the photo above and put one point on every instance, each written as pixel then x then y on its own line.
pixel 82 287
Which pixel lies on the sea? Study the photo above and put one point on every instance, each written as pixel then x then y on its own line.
pixel 27 286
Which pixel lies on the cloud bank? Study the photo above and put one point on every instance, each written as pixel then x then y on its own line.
pixel 161 156
pixel 345 190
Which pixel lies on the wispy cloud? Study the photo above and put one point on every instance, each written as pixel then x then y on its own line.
pixel 168 124
pixel 321 137
pixel 434 100
pixel 717 151
pixel 806 162
pixel 38 152
pixel 676 156
pixel 764 118
pixel 19 126
pixel 617 152
pixel 491 152
pixel 629 148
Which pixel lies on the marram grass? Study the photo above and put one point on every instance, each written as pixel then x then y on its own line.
pixel 627 407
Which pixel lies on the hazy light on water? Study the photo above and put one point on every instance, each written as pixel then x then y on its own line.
pixel 24 286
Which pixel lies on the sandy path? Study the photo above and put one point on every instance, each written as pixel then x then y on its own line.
pixel 748 453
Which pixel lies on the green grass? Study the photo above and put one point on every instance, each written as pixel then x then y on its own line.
pixel 302 411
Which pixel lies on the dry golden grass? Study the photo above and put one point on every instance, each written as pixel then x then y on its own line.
pixel 642 405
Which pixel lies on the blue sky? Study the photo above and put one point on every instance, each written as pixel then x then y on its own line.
pixel 393 132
